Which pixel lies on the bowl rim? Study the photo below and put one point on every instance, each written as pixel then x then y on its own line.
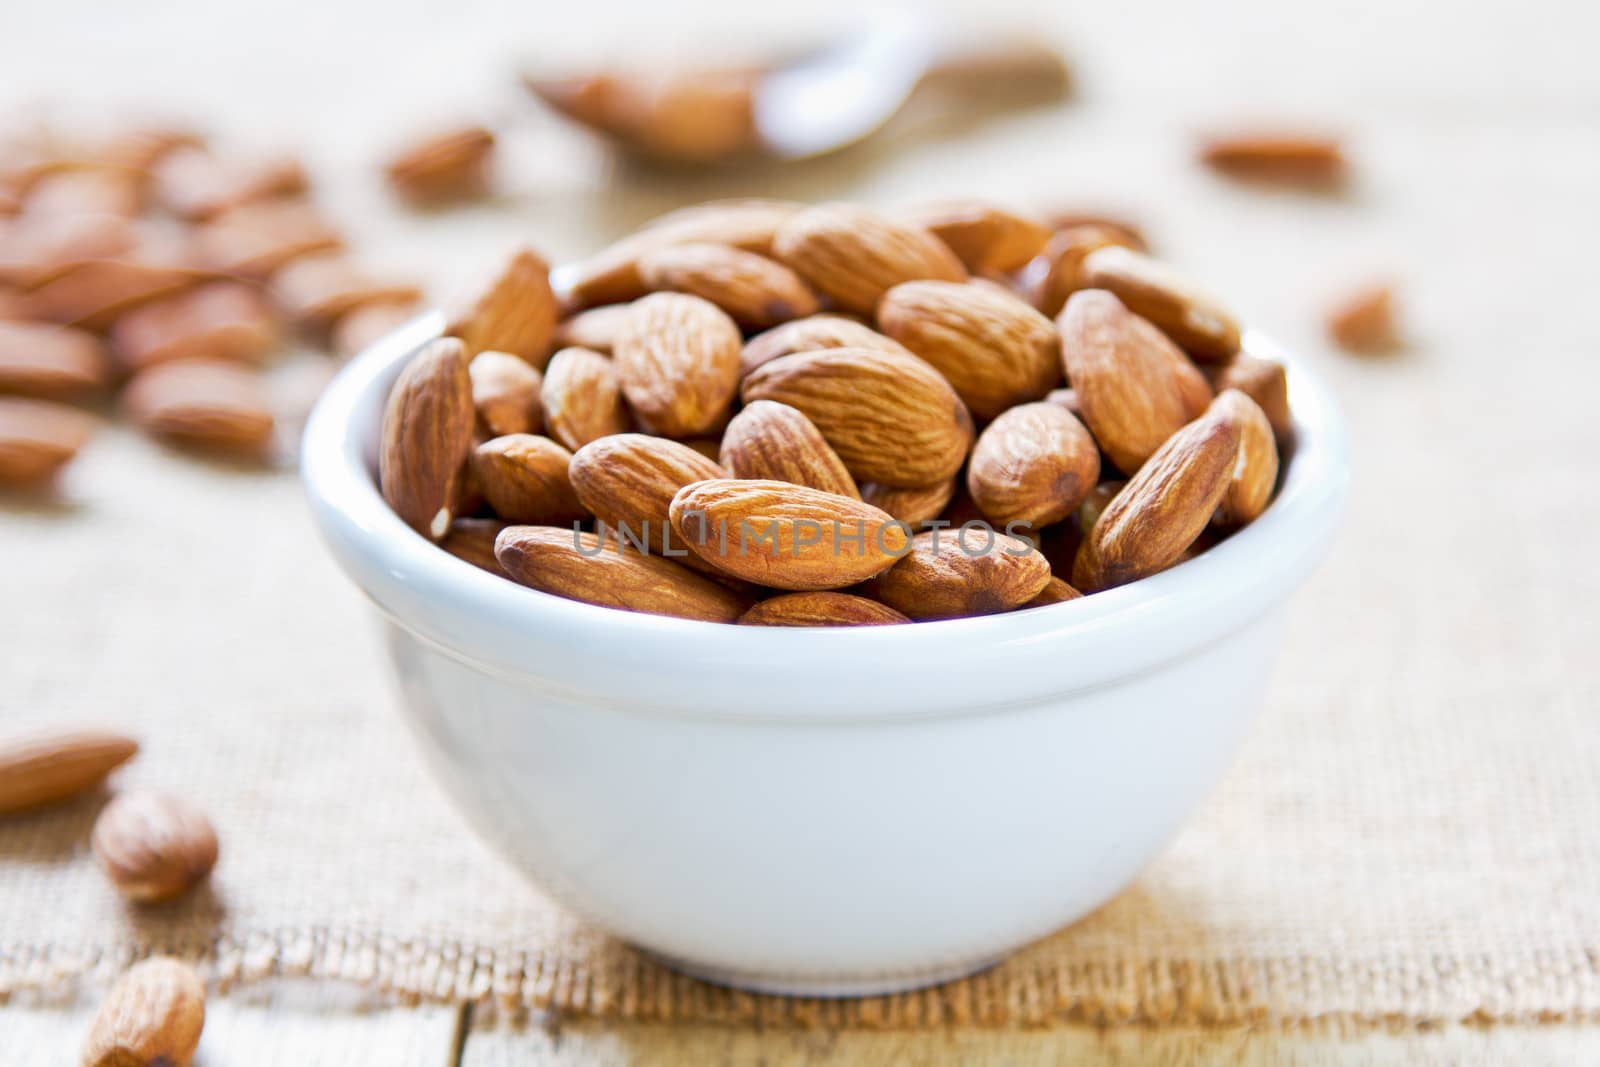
pixel 637 662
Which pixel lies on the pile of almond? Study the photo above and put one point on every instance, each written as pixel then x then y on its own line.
pixel 778 414
pixel 146 263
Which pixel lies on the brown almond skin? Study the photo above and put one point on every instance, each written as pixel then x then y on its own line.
pixel 912 506
pixel 37 439
pixel 628 481
pixel 938 580
pixel 152 846
pixel 1154 291
pixel 448 166
pixel 822 608
pixel 595 329
pixel 852 256
pixel 990 345
pixel 1289 157
pixel 986 238
pixel 50 362
pixel 205 405
pixel 612 275
pixel 1263 381
pixel 809 334
pixel 505 393
pixel 1256 474
pixel 754 529
pixel 39 771
pixel 1032 466
pixel 316 291
pixel 152 1016
pixel 775 441
pixel 892 418
pixel 548 558
pixel 472 540
pixel 426 436
pixel 515 313
pixel 1056 591
pixel 1151 523
pixel 756 292
pixel 223 320
pixel 254 240
pixel 524 478
pixel 1059 270
pixel 582 398
pixel 677 357
pixel 358 330
pixel 1136 388
pixel 1364 322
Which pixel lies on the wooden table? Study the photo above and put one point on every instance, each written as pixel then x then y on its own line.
pixel 1429 90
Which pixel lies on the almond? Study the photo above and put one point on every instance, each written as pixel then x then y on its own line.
pixel 582 398
pixel 1135 386
pixel 628 481
pixel 968 571
pixel 809 334
pixel 612 276
pixel 223 320
pixel 853 256
pixel 892 418
pixel 254 240
pixel 992 347
pixel 1058 272
pixel 153 1015
pixel 582 566
pixel 821 608
pixel 153 846
pixel 1286 156
pixel 1129 233
pixel 194 184
pixel 39 771
pixel 93 294
pixel 1365 321
pixel 473 540
pixel 1033 466
pixel 755 291
pixel 426 436
pixel 515 313
pixel 442 167
pixel 37 438
pixel 86 192
pixel 1151 523
pixel 358 330
pixel 985 237
pixel 1263 381
pixel 505 392
pixel 1255 475
pixel 50 362
pixel 786 536
pixel 203 404
pixel 776 442
pixel 316 291
pixel 678 360
pixel 1155 292
pixel 37 248
pixel 912 506
pixel 524 478
pixel 1055 591
pixel 595 329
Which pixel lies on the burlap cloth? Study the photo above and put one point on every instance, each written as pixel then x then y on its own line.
pixel 1409 833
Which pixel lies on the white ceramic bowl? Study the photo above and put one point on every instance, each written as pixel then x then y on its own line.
pixel 828 812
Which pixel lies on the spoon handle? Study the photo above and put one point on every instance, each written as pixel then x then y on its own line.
pixel 1009 64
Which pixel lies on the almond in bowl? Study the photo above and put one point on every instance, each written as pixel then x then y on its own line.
pixel 981 638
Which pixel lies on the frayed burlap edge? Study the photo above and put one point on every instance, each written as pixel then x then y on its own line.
pixel 1536 986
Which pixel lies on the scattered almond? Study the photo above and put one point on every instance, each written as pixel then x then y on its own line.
pixel 316 291
pixel 1365 322
pixel 1277 156
pixel 223 321
pixel 38 771
pixel 206 405
pixel 50 362
pixel 152 846
pixel 194 184
pixel 152 1016
pixel 254 240
pixel 447 166
pixel 821 608
pixel 357 330
pixel 38 438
